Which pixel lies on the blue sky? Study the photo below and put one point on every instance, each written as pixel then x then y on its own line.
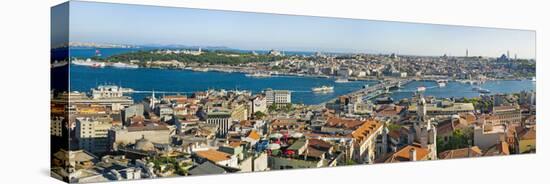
pixel 134 24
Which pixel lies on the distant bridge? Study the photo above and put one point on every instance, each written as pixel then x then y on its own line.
pixel 375 90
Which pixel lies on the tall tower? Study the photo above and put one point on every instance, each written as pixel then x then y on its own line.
pixel 508 54
pixel 421 108
pixel 467 53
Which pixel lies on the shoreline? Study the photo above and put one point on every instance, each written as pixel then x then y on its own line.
pixel 232 69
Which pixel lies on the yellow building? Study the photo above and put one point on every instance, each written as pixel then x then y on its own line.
pixel 527 140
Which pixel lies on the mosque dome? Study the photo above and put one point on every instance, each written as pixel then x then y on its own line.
pixel 144 145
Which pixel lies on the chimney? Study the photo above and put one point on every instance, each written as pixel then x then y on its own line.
pixel 412 154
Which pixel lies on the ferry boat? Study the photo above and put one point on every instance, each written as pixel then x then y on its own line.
pixel 384 100
pixel 484 91
pixel 323 89
pixel 481 90
pixel 88 62
pixel 341 80
pixel 421 89
pixel 534 79
pixel 258 75
pixel 124 65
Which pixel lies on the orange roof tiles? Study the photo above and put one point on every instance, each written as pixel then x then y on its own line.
pixel 254 135
pixel 365 130
pixel 213 155
pixel 402 155
pixel 461 153
pixel 344 123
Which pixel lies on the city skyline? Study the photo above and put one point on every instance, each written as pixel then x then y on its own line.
pixel 259 31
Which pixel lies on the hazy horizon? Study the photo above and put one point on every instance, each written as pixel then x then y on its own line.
pixel 147 25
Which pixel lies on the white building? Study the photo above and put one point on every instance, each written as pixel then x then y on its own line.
pixel 155 133
pixel 278 97
pixel 56 127
pixel 258 104
pixel 109 91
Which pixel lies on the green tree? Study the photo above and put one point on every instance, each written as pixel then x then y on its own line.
pixel 393 127
pixel 458 139
pixel 259 115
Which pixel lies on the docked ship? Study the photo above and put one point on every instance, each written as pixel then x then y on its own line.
pixel 258 75
pixel 341 80
pixel 323 89
pixel 124 65
pixel 88 62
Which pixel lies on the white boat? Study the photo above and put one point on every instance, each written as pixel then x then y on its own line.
pixel 258 75
pixel 341 80
pixel 484 91
pixel 57 64
pixel 124 65
pixel 534 79
pixel 88 62
pixel 441 83
pixel 421 89
pixel 323 89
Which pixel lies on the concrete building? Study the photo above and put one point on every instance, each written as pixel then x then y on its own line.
pixel 109 91
pixel 155 132
pixel 221 119
pixel 56 127
pixel 507 114
pixel 278 97
pixel 258 104
pixel 488 135
pixel 92 134
pixel 443 108
pixel 131 111
pixel 164 111
pixel 239 112
pixel 364 139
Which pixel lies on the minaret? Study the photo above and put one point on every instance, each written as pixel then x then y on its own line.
pixel 152 100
